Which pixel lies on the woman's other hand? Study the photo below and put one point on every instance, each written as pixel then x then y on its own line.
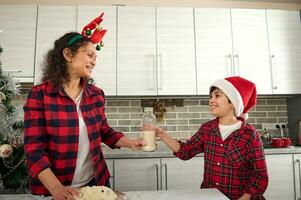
pixel 133 143
pixel 137 143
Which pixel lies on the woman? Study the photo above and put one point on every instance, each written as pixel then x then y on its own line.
pixel 65 123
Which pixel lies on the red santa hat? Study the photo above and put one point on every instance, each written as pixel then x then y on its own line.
pixel 241 93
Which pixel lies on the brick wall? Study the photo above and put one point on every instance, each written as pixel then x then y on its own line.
pixel 183 121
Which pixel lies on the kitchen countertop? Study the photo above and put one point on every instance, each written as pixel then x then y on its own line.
pixel 164 152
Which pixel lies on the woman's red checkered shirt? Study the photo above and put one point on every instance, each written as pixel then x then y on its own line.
pixel 234 166
pixel 51 132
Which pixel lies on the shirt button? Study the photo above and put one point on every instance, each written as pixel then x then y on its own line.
pixel 221 145
pixel 218 163
pixel 216 183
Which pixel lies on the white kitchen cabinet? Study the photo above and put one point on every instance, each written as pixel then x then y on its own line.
pixel 136 51
pixel 104 73
pixel 250 47
pixel 213 46
pixel 110 165
pixel 18 25
pixel 182 175
pixel 155 51
pixel 285 49
pixel 53 22
pixel 281 177
pixel 158 174
pixel 232 42
pixel 137 174
pixel 297 172
pixel 175 51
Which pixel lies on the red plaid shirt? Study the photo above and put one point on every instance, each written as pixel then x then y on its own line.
pixel 51 132
pixel 234 166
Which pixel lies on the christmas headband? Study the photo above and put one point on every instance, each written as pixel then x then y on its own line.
pixel 93 31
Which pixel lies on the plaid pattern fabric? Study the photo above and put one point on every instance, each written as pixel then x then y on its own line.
pixel 51 132
pixel 234 166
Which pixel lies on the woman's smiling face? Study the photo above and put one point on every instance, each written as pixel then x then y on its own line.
pixel 83 62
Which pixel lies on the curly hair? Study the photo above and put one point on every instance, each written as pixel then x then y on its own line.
pixel 55 69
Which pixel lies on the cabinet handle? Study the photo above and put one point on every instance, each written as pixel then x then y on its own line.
pixel 157 175
pixel 165 168
pixel 299 168
pixel 237 61
pixel 151 75
pixel 160 66
pixel 12 71
pixel 274 75
pixel 231 63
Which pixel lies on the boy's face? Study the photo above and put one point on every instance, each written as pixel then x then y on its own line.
pixel 219 104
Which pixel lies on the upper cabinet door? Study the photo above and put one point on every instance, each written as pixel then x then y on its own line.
pixel 53 22
pixel 104 73
pixel 176 51
pixel 213 46
pixel 251 48
pixel 136 51
pixel 18 24
pixel 285 49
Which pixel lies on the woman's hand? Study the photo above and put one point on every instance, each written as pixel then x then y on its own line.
pixel 55 187
pixel 64 193
pixel 132 143
pixel 137 143
pixel 245 197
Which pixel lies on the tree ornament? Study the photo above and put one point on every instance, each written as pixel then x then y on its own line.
pixel 2 96
pixel 3 84
pixel 16 141
pixel 5 150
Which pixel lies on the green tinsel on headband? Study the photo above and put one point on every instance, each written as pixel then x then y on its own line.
pixel 75 39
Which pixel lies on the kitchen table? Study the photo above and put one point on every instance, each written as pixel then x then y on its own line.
pixel 205 194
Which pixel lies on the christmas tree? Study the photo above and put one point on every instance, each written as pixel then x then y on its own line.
pixel 13 172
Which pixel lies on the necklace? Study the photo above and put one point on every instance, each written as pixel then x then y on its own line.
pixel 73 93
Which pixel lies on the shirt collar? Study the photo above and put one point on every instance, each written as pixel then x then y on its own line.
pixel 215 123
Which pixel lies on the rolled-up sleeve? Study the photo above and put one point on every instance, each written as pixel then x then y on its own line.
pixel 109 136
pixel 191 147
pixel 35 134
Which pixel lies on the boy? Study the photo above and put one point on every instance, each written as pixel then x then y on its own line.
pixel 233 151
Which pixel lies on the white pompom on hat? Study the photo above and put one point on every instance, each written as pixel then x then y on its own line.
pixel 241 92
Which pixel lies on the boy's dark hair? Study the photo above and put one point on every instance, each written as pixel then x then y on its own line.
pixel 212 88
pixel 55 64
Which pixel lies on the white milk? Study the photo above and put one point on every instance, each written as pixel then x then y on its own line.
pixel 150 138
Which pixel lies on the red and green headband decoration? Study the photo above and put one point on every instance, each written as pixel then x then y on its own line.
pixel 94 31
